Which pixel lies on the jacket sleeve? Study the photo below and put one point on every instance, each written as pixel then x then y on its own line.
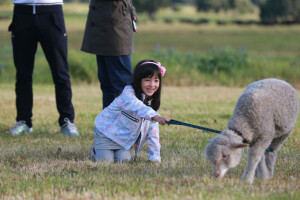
pixel 153 142
pixel 132 10
pixel 134 105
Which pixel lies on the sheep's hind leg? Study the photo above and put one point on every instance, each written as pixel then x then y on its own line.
pixel 262 170
pixel 270 162
pixel 272 153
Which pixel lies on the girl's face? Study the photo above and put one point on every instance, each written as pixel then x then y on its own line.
pixel 150 85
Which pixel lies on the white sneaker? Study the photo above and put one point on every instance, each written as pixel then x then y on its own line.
pixel 19 128
pixel 69 128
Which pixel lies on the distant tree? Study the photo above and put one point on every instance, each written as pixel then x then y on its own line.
pixel 203 5
pixel 217 5
pixel 274 11
pixel 259 2
pixel 150 6
pixel 244 6
pixel 183 1
pixel 177 1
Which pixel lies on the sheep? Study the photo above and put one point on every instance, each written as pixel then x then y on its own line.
pixel 264 117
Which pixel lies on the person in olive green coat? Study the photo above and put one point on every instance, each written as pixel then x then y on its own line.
pixel 109 35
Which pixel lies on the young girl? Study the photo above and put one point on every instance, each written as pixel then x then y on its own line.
pixel 132 118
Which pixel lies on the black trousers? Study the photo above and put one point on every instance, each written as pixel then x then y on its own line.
pixel 46 27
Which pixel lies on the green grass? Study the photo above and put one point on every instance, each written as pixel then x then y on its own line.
pixel 272 51
pixel 270 40
pixel 48 165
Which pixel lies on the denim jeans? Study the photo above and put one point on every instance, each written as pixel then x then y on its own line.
pixel 114 73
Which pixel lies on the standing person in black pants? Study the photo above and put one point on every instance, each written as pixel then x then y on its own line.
pixel 109 35
pixel 41 21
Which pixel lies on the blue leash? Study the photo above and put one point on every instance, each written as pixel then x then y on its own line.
pixel 175 122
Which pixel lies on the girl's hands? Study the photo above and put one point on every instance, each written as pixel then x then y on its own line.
pixel 161 120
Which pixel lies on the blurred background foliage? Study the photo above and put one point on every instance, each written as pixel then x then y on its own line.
pixel 271 11
pixel 201 42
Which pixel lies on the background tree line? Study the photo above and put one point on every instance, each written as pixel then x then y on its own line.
pixel 271 11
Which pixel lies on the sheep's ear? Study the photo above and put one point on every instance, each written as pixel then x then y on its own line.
pixel 239 145
pixel 209 140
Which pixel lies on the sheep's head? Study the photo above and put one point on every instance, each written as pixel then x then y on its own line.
pixel 223 153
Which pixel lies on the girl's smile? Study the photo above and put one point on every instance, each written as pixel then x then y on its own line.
pixel 150 85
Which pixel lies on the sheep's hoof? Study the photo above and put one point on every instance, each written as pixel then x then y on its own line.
pixel 247 179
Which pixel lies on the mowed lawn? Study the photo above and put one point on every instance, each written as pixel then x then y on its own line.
pixel 46 164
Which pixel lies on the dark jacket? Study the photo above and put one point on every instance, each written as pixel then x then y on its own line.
pixel 109 30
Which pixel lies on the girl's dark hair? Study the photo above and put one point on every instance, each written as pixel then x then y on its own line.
pixel 144 71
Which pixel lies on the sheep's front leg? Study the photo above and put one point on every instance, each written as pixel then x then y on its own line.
pixel 262 170
pixel 254 157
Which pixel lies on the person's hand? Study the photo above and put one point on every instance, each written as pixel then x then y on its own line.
pixel 134 19
pixel 161 120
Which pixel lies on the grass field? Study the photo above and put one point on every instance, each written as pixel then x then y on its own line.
pixel 46 164
pixel 269 40
pixel 273 51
